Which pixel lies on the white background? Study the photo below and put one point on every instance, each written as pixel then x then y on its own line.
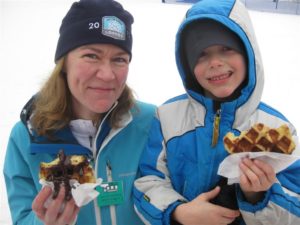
pixel 29 32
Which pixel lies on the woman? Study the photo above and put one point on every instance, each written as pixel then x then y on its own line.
pixel 85 108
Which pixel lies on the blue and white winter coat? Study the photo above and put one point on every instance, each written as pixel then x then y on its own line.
pixel 180 162
pixel 118 155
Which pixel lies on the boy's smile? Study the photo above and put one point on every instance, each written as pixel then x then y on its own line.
pixel 220 77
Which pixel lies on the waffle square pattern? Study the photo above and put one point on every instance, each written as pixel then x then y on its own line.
pixel 261 138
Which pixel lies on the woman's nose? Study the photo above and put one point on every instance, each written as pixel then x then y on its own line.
pixel 105 72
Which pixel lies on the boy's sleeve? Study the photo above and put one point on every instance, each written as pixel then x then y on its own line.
pixel 154 197
pixel 281 204
pixel 20 186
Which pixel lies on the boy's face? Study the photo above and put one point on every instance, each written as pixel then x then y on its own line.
pixel 220 71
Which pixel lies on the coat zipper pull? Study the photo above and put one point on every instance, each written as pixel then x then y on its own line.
pixel 91 141
pixel 216 127
pixel 108 171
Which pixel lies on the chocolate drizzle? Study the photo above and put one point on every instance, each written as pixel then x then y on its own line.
pixel 62 172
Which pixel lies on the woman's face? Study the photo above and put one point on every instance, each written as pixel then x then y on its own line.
pixel 220 71
pixel 96 76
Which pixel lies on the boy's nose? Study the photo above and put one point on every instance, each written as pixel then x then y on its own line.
pixel 215 60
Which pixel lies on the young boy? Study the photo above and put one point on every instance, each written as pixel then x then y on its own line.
pixel 221 69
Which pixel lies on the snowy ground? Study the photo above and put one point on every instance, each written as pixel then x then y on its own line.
pixel 29 31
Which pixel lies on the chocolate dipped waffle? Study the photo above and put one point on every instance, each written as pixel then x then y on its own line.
pixel 261 138
pixel 63 169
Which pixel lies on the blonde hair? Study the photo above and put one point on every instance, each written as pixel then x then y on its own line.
pixel 53 104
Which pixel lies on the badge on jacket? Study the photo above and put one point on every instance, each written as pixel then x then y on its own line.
pixel 110 193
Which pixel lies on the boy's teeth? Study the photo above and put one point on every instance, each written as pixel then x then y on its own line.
pixel 219 77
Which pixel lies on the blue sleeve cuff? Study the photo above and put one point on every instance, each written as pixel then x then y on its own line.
pixel 169 211
pixel 249 207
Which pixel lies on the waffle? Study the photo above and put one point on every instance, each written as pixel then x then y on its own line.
pixel 261 138
pixel 63 169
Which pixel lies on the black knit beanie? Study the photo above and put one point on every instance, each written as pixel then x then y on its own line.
pixel 95 21
pixel 204 33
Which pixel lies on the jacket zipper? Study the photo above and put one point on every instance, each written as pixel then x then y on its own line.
pixel 216 128
pixel 95 156
pixel 112 208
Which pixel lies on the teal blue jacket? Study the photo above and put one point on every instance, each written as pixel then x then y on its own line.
pixel 120 149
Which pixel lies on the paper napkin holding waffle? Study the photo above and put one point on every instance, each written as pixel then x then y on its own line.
pixel 271 145
pixel 229 168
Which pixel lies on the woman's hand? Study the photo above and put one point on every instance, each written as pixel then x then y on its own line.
pixel 256 178
pixel 201 212
pixel 52 214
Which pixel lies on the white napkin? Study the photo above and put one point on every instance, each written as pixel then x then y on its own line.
pixel 82 193
pixel 230 166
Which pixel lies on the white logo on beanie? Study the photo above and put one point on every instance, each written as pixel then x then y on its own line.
pixel 113 27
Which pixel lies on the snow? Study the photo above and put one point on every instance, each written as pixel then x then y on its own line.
pixel 29 32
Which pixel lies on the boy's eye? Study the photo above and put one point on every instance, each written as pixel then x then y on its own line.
pixel 225 49
pixel 202 54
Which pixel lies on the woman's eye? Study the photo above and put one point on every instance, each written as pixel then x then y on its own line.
pixel 91 56
pixel 121 60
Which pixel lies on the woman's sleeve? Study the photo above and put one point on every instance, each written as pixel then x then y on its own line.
pixel 154 197
pixel 20 186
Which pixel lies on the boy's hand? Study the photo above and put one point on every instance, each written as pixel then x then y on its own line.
pixel 256 178
pixel 52 214
pixel 201 212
